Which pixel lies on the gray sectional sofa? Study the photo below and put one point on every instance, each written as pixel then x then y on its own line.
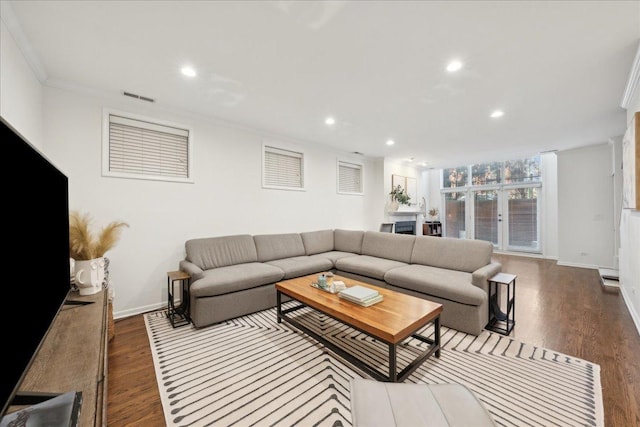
pixel 235 275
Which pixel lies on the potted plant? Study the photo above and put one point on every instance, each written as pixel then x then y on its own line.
pixel 399 194
pixel 87 250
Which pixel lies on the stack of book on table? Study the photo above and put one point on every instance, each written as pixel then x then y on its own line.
pixel 361 295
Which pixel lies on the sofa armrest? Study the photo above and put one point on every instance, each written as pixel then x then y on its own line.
pixel 481 276
pixel 192 269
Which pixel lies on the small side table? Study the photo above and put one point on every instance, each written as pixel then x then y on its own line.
pixel 499 321
pixel 432 228
pixel 178 315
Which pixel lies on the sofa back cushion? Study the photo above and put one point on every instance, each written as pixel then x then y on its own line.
pixel 214 252
pixel 278 246
pixel 348 240
pixel 453 254
pixel 397 247
pixel 317 242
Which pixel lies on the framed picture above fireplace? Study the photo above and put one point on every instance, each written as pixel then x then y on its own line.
pixel 408 183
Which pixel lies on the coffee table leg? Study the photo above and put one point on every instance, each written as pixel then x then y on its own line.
pixel 436 340
pixel 393 374
pixel 279 306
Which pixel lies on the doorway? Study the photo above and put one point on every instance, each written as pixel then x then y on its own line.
pixel 508 216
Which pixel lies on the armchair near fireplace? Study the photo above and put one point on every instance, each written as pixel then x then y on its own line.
pixel 386 227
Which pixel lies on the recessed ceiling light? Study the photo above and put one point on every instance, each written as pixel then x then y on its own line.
pixel 423 164
pixel 454 66
pixel 329 121
pixel 390 142
pixel 188 71
pixel 497 113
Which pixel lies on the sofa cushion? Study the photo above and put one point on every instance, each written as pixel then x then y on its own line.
pixel 448 284
pixel 278 246
pixel 368 266
pixel 336 255
pixel 214 252
pixel 453 254
pixel 233 278
pixel 316 242
pixel 302 265
pixel 398 247
pixel 348 240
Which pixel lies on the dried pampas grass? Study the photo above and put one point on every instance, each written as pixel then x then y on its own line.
pixel 83 245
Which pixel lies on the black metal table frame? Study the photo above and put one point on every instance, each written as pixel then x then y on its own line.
pixel 393 376
pixel 496 315
pixel 178 315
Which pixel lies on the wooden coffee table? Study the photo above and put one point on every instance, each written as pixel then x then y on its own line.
pixel 391 321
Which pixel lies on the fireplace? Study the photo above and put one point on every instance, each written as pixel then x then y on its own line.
pixel 405 227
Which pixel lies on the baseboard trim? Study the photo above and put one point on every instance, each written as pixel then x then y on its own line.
pixel 579 265
pixel 138 310
pixel 527 254
pixel 634 315
pixel 524 254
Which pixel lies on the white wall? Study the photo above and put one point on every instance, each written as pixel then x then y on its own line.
pixel 616 148
pixel 225 199
pixel 629 253
pixel 20 91
pixel 378 195
pixel 434 197
pixel 549 205
pixel 585 214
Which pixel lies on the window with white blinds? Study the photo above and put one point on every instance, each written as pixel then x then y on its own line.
pixel 350 178
pixel 145 149
pixel 282 169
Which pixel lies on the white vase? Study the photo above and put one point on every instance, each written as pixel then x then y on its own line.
pixel 89 275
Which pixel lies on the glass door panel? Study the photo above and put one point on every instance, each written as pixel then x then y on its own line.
pixel 486 218
pixel 523 230
pixel 455 213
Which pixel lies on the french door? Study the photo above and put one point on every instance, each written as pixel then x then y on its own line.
pixel 486 215
pixel 508 216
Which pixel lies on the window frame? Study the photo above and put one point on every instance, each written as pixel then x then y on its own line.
pixel 281 146
pixel 348 163
pixel 106 147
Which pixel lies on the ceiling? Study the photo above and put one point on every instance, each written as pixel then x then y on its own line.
pixel 557 69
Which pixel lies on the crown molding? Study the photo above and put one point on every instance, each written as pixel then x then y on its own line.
pixel 632 83
pixel 15 29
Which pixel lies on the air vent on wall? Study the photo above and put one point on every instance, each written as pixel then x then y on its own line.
pixel 140 97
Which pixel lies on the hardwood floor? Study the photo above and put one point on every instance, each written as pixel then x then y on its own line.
pixel 560 308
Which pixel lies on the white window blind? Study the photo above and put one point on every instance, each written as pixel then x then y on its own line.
pixel 139 148
pixel 283 168
pixel 349 178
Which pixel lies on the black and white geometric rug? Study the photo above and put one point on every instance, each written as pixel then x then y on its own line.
pixel 252 371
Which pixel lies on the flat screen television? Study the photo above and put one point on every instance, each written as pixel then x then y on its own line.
pixel 35 276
